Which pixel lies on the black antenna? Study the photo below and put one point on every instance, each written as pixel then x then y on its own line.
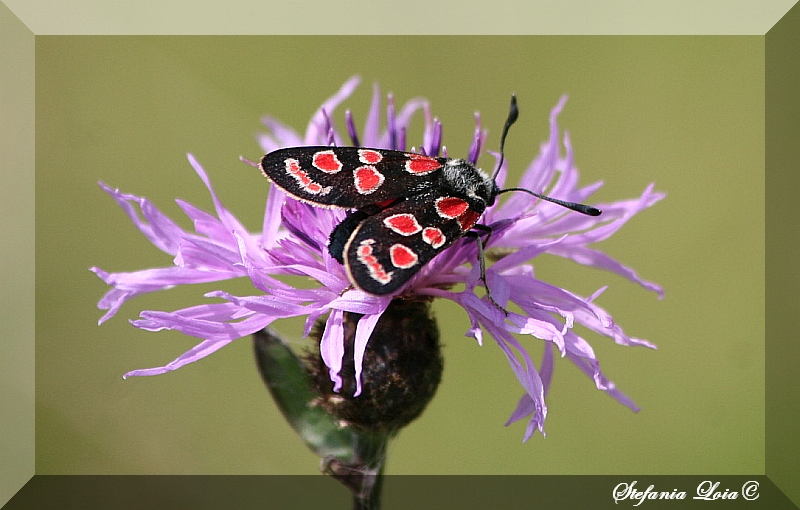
pixel 581 208
pixel 513 113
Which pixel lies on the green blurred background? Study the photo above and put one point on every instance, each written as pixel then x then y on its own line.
pixel 686 113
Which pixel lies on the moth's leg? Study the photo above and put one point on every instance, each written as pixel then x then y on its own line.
pixel 479 232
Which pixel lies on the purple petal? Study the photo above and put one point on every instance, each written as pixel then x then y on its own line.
pixel 257 270
pixel 331 347
pixel 358 301
pixel 435 145
pixel 538 299
pixel 477 141
pixel 366 325
pixel 524 254
pixel 541 329
pixel 230 222
pixel 501 291
pixel 112 301
pixel 593 370
pixel 351 128
pixel 329 130
pixel 164 233
pixel 526 375
pixel 282 136
pixel 372 123
pixel 316 133
pixel 401 138
pixel 427 133
pixel 532 295
pixel 199 351
pixel 272 217
pixel 265 305
pixel 320 274
pixel 525 407
pixel 391 129
pixel 401 122
pixel 210 256
pixel 547 367
pixel 593 258
pixel 129 285
pixel 209 321
pixel 195 322
pixel 409 109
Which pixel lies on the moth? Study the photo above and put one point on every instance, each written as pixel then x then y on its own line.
pixel 406 207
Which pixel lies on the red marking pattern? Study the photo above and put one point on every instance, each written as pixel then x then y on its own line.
pixel 383 204
pixel 302 178
pixel 327 162
pixel 375 268
pixel 421 165
pixel 433 236
pixel 451 207
pixel 468 219
pixel 369 157
pixel 402 256
pixel 404 224
pixel 367 179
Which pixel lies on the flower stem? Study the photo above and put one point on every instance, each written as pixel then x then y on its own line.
pixel 364 477
pixel 352 456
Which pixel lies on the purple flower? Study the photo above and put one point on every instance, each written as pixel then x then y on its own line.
pixel 294 238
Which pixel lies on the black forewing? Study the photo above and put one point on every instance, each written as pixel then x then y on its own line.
pixel 380 238
pixel 339 188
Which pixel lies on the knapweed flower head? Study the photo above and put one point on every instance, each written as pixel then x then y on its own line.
pixel 294 241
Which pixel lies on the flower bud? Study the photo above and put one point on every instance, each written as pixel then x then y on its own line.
pixel 401 370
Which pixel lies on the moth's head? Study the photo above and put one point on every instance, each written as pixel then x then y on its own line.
pixel 491 190
pixel 464 178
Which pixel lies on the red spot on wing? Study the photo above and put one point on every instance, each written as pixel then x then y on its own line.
pixel 468 219
pixel 314 188
pixel 293 168
pixel 367 179
pixel 303 180
pixel 369 156
pixel 365 256
pixel 404 224
pixel 421 165
pixel 383 204
pixel 433 236
pixel 327 162
pixel 402 256
pixel 451 207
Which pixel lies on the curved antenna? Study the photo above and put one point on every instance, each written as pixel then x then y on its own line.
pixel 581 208
pixel 513 113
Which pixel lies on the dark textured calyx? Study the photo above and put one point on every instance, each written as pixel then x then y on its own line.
pixel 401 370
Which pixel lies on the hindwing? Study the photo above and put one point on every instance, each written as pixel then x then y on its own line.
pixel 389 247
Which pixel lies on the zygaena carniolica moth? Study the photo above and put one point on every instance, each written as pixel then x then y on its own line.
pixel 406 207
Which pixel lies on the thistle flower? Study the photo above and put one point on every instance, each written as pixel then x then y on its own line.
pixel 294 239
